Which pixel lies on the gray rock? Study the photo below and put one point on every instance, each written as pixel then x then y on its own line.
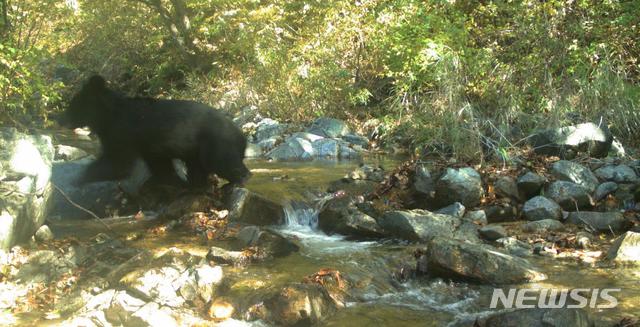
pixel 423 182
pixel 540 318
pixel 102 198
pixel 539 208
pixel 339 216
pixel 418 225
pixel 268 128
pixel 307 136
pixel 68 153
pixel 357 140
pixel 268 144
pixel 292 149
pixel 603 222
pixel 462 185
pixel 326 148
pixel 565 142
pixel 299 305
pixel 25 184
pixel 576 173
pixel 44 234
pixel 346 152
pixel 481 263
pixel 329 127
pixel 625 249
pixel 530 184
pixel 584 240
pixel 253 151
pixel 478 217
pixel 604 189
pixel 492 232
pixel 515 247
pixel 506 187
pixel 248 207
pixel 501 213
pixel 543 226
pixel 456 209
pixel 226 257
pixel 618 174
pixel 271 243
pixel 569 196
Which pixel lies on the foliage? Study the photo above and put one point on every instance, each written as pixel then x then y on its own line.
pixel 472 77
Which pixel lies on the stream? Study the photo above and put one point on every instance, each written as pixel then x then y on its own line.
pixel 419 302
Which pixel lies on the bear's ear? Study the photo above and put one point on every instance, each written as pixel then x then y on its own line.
pixel 96 82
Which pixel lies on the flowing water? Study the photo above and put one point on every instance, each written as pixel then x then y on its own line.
pixel 420 302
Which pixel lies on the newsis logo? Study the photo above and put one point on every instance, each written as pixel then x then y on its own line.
pixel 527 298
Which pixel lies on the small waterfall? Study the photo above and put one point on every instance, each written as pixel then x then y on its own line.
pixel 300 214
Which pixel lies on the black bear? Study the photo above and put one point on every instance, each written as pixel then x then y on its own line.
pixel 157 131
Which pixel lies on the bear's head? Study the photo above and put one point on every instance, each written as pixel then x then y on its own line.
pixel 231 150
pixel 86 105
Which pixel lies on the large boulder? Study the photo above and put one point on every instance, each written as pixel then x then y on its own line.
pixel 603 222
pixel 340 216
pixel 565 142
pixel 268 128
pixel 25 183
pixel 481 263
pixel 250 208
pixel 418 225
pixel 293 148
pixel 625 249
pixel 570 196
pixel 329 127
pixel 269 242
pixel 298 305
pixel 618 174
pixel 462 185
pixel 574 172
pixel 539 208
pixel 530 184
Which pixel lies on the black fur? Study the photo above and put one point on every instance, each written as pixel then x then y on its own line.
pixel 157 131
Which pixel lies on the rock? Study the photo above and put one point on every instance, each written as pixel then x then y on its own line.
pixel 357 140
pixel 625 249
pixel 268 128
pixel 367 172
pixel 543 226
pixel 462 185
pixel 292 149
pixel 68 153
pixel 423 182
pixel 602 222
pixel 418 225
pixel 252 151
pixel 537 317
pixel 477 217
pixel 604 189
pixel 480 263
pixel 307 136
pixel 492 232
pixel 576 173
pixel 506 187
pixel 220 310
pixel 501 213
pixel 530 184
pixel 618 174
pixel 566 141
pixel 584 240
pixel 339 216
pixel 539 208
pixel 44 266
pixel 25 181
pixel 103 198
pixel 248 114
pixel 514 246
pixel 346 152
pixel 248 207
pixel 326 148
pixel 206 278
pixel 299 305
pixel 329 127
pixel 569 196
pixel 226 257
pixel 44 234
pixel 270 242
pixel 456 209
pixel 268 144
